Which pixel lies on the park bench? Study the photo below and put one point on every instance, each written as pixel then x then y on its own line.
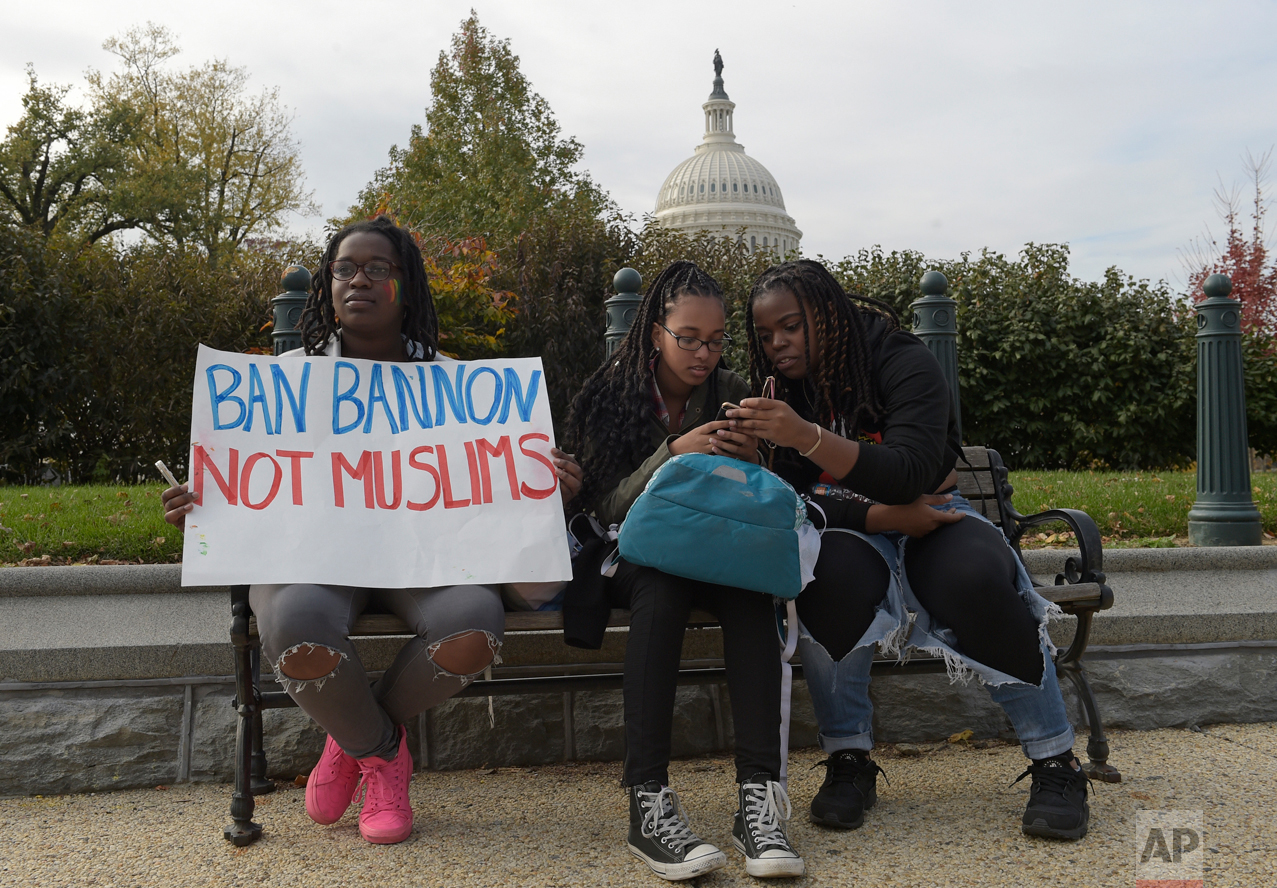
pixel 537 661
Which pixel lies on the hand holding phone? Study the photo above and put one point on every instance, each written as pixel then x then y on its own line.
pixel 722 411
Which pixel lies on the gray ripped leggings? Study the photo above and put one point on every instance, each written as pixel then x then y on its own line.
pixel 363 719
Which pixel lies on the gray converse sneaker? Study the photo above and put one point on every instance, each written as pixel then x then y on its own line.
pixel 757 831
pixel 661 836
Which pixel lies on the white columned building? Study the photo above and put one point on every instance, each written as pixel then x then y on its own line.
pixel 721 189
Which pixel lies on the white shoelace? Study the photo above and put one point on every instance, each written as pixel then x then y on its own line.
pixel 766 809
pixel 665 819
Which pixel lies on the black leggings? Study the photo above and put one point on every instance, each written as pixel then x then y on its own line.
pixel 963 574
pixel 659 606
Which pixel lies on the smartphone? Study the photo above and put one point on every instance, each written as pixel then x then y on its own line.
pixel 722 411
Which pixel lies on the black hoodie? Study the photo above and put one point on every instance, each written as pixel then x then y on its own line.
pixel 912 445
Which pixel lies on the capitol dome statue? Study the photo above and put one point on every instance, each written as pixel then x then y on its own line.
pixel 721 189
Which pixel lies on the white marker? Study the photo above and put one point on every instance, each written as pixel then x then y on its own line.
pixel 168 476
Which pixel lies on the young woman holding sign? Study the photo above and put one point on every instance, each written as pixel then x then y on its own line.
pixel 862 406
pixel 656 397
pixel 370 299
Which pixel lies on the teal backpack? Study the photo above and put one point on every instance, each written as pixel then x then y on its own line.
pixel 720 520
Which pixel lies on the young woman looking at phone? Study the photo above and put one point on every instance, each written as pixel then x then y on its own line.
pixel 862 406
pixel 651 400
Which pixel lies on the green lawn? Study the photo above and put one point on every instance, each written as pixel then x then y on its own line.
pixel 90 523
pixel 1131 508
pixel 122 523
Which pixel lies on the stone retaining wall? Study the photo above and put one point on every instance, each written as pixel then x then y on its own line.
pixel 120 737
pixel 89 707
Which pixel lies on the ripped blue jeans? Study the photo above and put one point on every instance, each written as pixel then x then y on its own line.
pixel 840 690
pixel 363 718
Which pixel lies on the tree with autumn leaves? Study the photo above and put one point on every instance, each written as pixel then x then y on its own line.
pixel 1245 257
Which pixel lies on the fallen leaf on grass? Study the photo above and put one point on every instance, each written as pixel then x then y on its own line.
pixel 67 544
pixel 27 547
pixel 122 494
pixel 159 541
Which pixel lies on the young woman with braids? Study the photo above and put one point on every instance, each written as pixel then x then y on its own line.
pixel 370 299
pixel 862 419
pixel 655 398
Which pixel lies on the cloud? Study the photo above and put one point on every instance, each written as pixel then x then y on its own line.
pixel 931 126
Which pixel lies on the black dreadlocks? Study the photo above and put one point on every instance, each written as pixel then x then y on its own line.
pixel 420 322
pixel 842 383
pixel 607 424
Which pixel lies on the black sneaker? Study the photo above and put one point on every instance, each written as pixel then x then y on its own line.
pixel 850 789
pixel 1057 806
pixel 661 836
pixel 757 831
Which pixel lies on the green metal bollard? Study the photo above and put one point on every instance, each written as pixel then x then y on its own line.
pixel 288 307
pixel 622 308
pixel 935 322
pixel 1225 513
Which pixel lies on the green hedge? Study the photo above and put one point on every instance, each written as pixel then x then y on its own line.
pixel 97 349
pixel 1056 372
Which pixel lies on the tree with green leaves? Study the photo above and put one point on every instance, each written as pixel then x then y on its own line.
pixel 211 163
pixel 490 157
pixel 62 167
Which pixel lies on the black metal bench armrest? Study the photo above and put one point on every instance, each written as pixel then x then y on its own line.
pixel 1088 566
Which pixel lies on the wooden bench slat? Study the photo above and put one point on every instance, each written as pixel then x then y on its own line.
pixel 977 456
pixel 515 621
pixel 976 485
pixel 1078 594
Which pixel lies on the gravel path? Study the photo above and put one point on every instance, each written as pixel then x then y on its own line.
pixel 948 817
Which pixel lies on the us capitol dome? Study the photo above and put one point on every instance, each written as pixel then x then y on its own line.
pixel 721 189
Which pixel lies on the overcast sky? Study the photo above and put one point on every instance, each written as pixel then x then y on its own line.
pixel 939 127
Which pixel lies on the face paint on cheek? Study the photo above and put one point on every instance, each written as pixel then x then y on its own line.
pixel 392 288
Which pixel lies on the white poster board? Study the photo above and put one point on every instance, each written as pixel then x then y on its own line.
pixel 364 473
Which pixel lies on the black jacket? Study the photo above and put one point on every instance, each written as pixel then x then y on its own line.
pixel 912 445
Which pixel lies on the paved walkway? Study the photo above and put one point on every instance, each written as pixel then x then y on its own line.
pixel 948 818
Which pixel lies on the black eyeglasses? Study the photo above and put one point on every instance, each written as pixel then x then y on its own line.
pixel 691 343
pixel 376 270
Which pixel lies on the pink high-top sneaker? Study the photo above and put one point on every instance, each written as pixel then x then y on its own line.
pixel 387 814
pixel 331 784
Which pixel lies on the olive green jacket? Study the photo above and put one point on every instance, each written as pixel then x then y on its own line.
pixel 625 489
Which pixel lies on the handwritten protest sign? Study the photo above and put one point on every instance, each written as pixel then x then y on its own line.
pixel 363 473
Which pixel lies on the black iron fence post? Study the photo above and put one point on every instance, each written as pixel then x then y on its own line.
pixel 622 308
pixel 1225 513
pixel 288 307
pixel 935 322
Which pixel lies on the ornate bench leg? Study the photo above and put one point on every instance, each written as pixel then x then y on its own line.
pixel 259 783
pixel 1097 747
pixel 242 830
